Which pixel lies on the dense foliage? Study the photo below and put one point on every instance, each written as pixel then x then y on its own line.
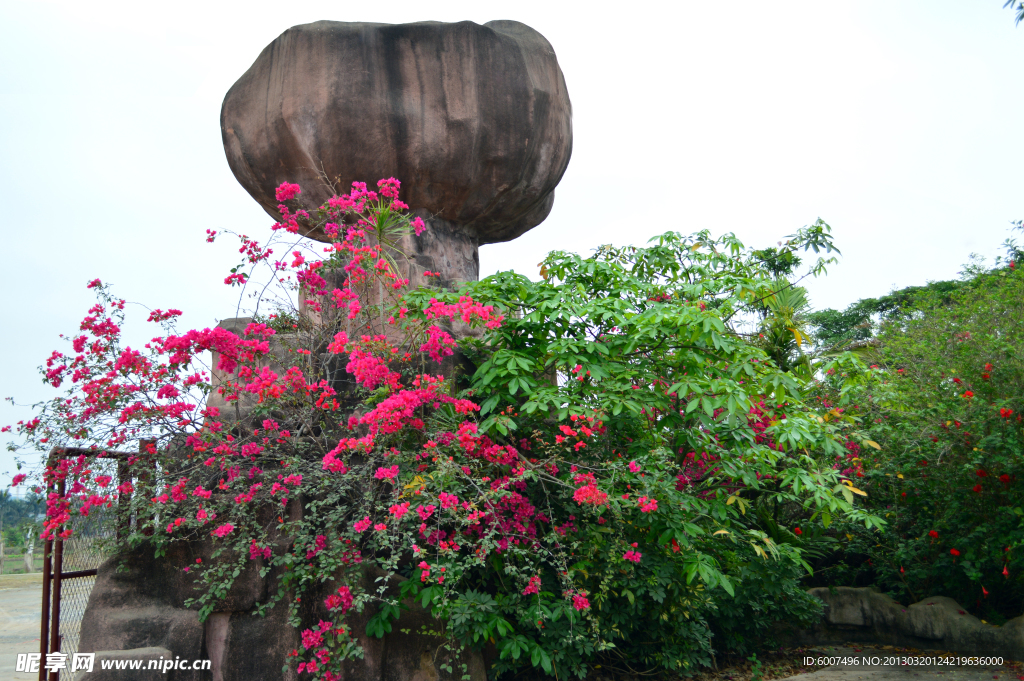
pixel 610 480
pixel 944 402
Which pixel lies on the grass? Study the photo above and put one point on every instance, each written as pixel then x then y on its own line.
pixel 22 580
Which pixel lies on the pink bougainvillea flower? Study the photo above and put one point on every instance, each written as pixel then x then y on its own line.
pixel 590 494
pixel 533 587
pixel 287 191
pixel 224 530
pixel 386 473
pixel 647 505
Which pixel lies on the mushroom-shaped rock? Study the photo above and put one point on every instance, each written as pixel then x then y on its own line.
pixel 474 120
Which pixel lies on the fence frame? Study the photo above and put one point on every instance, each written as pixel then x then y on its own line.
pixel 50 637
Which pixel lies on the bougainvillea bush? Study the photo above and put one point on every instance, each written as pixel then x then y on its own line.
pixel 944 403
pixel 585 469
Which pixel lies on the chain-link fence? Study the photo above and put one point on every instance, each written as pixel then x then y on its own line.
pixel 82 552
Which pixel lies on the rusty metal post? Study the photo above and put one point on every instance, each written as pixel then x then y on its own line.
pixel 55 637
pixel 44 626
pixel 58 568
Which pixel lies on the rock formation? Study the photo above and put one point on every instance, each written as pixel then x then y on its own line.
pixel 865 615
pixel 474 120
pixel 476 123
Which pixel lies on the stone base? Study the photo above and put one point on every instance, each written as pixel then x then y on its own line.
pixel 138 612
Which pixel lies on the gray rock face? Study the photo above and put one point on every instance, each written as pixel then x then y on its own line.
pixel 867 616
pixel 139 613
pixel 474 120
pixel 155 656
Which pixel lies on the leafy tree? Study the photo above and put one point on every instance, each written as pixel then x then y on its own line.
pixel 616 479
pixel 944 402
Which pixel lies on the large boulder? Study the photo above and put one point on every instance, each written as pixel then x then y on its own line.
pixel 474 120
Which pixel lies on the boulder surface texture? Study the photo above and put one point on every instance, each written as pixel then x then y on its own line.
pixel 137 610
pixel 865 615
pixel 475 121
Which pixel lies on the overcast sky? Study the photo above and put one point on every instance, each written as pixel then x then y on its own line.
pixel 898 123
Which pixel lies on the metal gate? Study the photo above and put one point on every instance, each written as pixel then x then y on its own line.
pixel 69 573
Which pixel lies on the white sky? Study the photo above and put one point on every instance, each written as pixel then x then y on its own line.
pixel 896 122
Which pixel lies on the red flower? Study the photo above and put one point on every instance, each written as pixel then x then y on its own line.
pixel 933 534
pixel 976 488
pixel 798 531
pixel 968 394
pixel 1006 573
pixel 984 591
pixel 988 367
pixel 954 552
pixel 981 473
pixel 1004 478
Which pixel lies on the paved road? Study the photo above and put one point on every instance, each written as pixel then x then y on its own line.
pixel 20 605
pixel 868 664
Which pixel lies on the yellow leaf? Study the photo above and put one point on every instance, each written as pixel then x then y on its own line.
pixel 416 482
pixel 728 502
pixel 857 491
pixel 899 475
pixel 798 337
pixel 872 443
pixel 850 537
pixel 721 532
